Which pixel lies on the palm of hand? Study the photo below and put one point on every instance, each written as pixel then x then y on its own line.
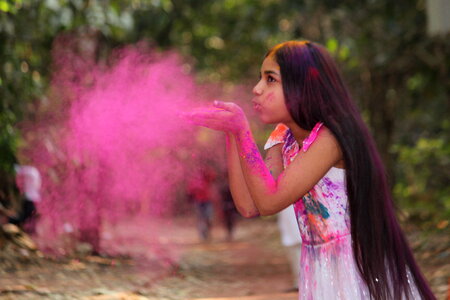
pixel 223 116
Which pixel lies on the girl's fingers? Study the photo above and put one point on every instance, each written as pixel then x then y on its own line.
pixel 204 117
pixel 207 111
pixel 208 123
pixel 218 104
pixel 230 106
pixel 211 113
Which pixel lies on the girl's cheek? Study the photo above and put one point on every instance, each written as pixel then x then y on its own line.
pixel 269 98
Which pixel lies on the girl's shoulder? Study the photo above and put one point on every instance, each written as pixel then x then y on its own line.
pixel 312 136
pixel 278 136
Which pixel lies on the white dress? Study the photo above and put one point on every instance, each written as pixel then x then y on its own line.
pixel 327 267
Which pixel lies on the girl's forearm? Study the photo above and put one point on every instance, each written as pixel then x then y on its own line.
pixel 260 183
pixel 238 186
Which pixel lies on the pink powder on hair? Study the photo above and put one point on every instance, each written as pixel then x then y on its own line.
pixel 313 72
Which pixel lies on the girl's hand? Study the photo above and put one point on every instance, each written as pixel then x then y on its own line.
pixel 223 116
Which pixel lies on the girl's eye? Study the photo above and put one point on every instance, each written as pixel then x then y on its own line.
pixel 270 79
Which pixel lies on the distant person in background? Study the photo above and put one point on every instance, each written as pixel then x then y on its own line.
pixel 28 181
pixel 199 192
pixel 228 210
pixel 292 242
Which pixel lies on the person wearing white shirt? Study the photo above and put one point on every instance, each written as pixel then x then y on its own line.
pixel 28 180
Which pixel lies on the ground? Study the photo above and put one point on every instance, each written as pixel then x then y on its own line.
pixel 252 266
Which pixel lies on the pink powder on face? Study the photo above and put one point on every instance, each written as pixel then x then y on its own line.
pixel 270 97
pixel 114 156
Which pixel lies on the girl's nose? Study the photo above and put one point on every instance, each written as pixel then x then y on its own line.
pixel 257 90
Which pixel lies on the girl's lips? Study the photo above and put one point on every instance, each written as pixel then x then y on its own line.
pixel 256 106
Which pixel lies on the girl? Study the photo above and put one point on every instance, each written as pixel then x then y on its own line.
pixel 325 163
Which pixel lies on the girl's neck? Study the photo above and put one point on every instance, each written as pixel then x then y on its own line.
pixel 299 133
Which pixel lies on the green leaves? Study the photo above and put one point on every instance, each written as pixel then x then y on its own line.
pixel 396 72
pixel 8 142
pixel 423 189
pixel 9 6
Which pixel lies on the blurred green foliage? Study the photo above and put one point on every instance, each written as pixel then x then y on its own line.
pixel 397 73
pixel 423 188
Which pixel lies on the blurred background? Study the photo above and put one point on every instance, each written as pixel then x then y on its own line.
pixel 395 56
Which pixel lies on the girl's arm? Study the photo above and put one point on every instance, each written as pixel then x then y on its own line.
pixel 238 186
pixel 272 195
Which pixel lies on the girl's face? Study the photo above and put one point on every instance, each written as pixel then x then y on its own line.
pixel 269 97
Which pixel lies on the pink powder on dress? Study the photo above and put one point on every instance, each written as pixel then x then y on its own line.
pixel 312 137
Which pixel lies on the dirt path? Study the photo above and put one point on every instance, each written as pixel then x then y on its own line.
pixel 251 266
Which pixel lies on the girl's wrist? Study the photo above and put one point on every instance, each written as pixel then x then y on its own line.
pixel 241 134
pixel 244 139
pixel 242 131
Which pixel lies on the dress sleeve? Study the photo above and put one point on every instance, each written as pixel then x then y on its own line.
pixel 277 136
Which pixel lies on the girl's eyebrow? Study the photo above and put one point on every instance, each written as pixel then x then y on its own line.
pixel 271 72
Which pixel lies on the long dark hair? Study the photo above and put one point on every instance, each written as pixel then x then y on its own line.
pixel 314 92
